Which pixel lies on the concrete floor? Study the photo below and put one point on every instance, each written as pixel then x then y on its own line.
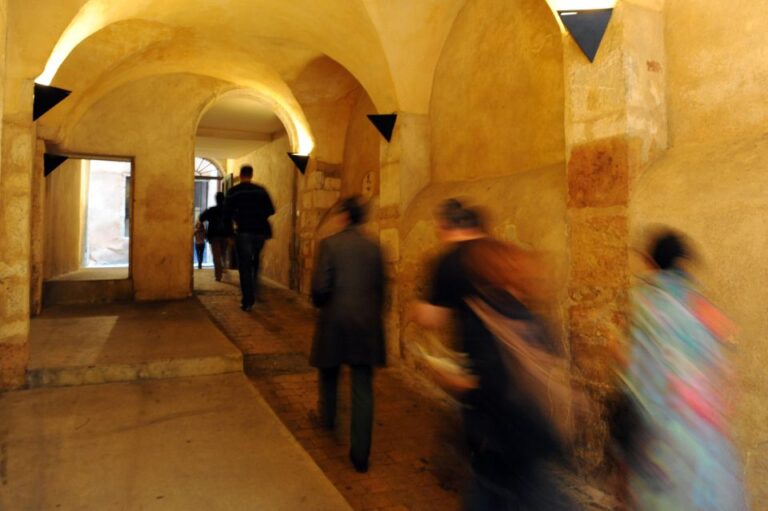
pixel 204 443
pixel 79 344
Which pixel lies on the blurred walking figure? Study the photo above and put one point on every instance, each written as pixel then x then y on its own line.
pixel 512 428
pixel 680 457
pixel 250 207
pixel 219 232
pixel 348 286
pixel 199 237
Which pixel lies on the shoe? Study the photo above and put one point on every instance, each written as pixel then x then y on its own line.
pixel 246 308
pixel 361 467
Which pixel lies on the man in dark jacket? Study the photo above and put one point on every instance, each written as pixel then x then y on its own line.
pixel 219 232
pixel 249 206
pixel 348 286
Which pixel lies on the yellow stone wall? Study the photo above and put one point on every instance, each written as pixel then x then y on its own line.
pixel 66 195
pixel 153 120
pixel 497 98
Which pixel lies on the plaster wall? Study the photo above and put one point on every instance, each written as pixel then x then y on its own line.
pixel 275 171
pixel 717 69
pixel 360 170
pixel 497 98
pixel 66 192
pixel 153 120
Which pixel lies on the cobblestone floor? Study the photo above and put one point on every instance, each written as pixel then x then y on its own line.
pixel 412 466
pixel 414 463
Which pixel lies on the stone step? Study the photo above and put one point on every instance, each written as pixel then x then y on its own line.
pixel 104 343
pixel 71 292
pixel 149 370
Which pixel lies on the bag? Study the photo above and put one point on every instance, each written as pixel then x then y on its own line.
pixel 544 377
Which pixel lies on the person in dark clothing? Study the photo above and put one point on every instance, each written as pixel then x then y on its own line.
pixel 249 206
pixel 510 441
pixel 218 233
pixel 348 286
pixel 199 237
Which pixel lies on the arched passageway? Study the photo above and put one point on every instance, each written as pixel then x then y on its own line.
pixel 494 101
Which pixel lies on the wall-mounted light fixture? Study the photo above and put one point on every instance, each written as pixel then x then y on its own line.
pixel 586 21
pixel 46 97
pixel 385 123
pixel 300 160
pixel 51 162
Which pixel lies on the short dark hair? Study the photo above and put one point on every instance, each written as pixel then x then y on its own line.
pixel 219 197
pixel 354 208
pixel 667 249
pixel 246 171
pixel 454 215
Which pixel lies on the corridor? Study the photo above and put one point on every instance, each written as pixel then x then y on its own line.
pixel 140 139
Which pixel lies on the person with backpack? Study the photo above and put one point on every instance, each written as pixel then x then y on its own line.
pixel 511 432
pixel 219 233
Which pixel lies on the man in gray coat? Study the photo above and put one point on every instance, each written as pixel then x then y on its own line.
pixel 348 286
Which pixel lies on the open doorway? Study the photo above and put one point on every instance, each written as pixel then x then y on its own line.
pixel 88 230
pixel 208 181
pixel 108 218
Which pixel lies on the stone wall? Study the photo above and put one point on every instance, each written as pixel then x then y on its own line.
pixel 66 193
pixel 144 121
pixel 497 98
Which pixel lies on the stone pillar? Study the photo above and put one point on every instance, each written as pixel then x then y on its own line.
pixel 405 170
pixel 615 125
pixel 16 166
pixel 319 191
pixel 37 232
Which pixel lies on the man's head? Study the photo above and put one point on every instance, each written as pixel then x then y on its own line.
pixel 354 210
pixel 219 198
pixel 246 174
pixel 456 222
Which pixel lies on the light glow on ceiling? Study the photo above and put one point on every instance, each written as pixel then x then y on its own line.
pixel 581 5
pixel 90 19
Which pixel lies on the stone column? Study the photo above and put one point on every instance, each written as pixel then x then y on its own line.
pixel 37 232
pixel 320 189
pixel 615 126
pixel 16 166
pixel 405 170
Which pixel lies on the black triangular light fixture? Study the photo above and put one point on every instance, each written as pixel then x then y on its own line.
pixel 300 160
pixel 52 161
pixel 47 97
pixel 385 123
pixel 587 28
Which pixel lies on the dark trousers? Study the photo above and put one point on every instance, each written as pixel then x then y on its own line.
pixel 219 251
pixel 536 488
pixel 200 249
pixel 248 258
pixel 362 407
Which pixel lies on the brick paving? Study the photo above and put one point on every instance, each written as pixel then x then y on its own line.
pixel 413 465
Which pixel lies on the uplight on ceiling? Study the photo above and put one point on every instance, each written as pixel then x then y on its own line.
pixel 586 21
pixel 581 5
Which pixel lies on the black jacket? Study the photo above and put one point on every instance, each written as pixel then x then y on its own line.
pixel 249 206
pixel 348 286
pixel 218 224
